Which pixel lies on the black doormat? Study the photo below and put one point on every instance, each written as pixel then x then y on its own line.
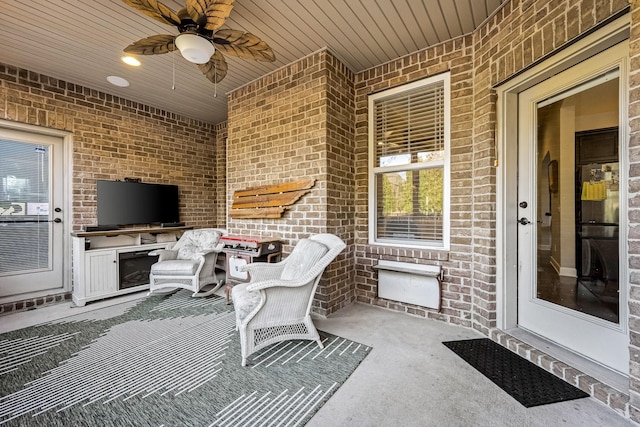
pixel 527 383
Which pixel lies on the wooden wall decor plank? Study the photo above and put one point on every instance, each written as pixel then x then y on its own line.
pixel 303 184
pixel 257 213
pixel 268 201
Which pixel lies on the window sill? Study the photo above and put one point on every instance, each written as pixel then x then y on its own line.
pixel 401 245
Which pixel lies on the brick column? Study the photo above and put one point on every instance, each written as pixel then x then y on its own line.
pixel 634 212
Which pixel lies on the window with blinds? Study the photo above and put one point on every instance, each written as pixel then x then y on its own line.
pixel 408 137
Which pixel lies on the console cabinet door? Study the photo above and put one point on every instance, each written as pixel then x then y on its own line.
pixel 101 272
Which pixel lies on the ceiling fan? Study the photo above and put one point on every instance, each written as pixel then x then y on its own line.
pixel 201 40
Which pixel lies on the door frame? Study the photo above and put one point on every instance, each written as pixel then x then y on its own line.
pixel 66 203
pixel 507 158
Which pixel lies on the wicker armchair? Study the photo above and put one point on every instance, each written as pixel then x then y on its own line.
pixel 193 262
pixel 274 306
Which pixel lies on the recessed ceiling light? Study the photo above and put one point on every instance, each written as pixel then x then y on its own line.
pixel 118 81
pixel 130 60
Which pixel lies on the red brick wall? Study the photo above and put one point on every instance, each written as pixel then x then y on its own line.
pixel 337 288
pixel 220 170
pixel 455 56
pixel 276 132
pixel 115 138
pixel 292 124
pixel 634 212
pixel 520 33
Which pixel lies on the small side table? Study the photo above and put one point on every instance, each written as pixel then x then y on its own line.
pixel 227 292
pixel 242 250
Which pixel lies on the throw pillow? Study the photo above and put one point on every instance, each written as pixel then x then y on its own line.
pixel 304 256
pixel 188 252
pixel 196 241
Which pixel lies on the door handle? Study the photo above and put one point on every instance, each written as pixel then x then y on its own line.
pixel 524 221
pixel 57 220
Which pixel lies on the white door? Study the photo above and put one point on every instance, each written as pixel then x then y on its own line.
pixel 571 192
pixel 31 212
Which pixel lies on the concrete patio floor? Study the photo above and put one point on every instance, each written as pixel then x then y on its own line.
pixel 411 379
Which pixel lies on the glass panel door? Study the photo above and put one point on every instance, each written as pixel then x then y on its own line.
pixel 31 229
pixel 569 195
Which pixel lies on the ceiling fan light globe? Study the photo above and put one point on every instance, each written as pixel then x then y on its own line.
pixel 195 48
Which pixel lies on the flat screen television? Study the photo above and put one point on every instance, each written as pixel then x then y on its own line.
pixel 131 203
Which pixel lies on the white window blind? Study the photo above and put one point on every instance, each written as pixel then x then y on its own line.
pixel 408 133
pixel 24 207
pixel 410 123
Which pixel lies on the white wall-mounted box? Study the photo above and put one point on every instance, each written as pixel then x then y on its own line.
pixel 417 284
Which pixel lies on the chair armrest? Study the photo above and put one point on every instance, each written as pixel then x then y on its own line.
pixel 266 266
pixel 274 283
pixel 211 256
pixel 164 254
pixel 309 276
pixel 208 252
pixel 217 248
pixel 261 271
pixel 169 247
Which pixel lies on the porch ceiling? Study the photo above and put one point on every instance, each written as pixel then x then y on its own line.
pixel 81 41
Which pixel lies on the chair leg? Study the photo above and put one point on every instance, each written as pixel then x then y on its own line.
pixel 319 341
pixel 211 291
pixel 243 342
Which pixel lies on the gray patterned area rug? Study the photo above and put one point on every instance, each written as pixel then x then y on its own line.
pixel 167 360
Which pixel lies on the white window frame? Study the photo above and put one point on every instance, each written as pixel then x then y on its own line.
pixel 445 78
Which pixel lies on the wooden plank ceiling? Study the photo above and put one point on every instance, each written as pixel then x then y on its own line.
pixel 81 41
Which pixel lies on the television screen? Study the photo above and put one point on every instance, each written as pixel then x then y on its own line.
pixel 129 203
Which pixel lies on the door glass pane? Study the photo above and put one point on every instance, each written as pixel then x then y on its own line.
pixel 24 208
pixel 578 199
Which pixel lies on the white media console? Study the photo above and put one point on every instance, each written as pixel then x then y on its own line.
pixel 115 262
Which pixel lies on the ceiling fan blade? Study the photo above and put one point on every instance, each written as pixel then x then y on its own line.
pixel 195 9
pixel 156 10
pixel 209 14
pixel 215 69
pixel 243 45
pixel 160 43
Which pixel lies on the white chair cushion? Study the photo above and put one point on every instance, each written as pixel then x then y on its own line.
pixel 244 301
pixel 189 252
pixel 305 255
pixel 175 267
pixel 196 241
